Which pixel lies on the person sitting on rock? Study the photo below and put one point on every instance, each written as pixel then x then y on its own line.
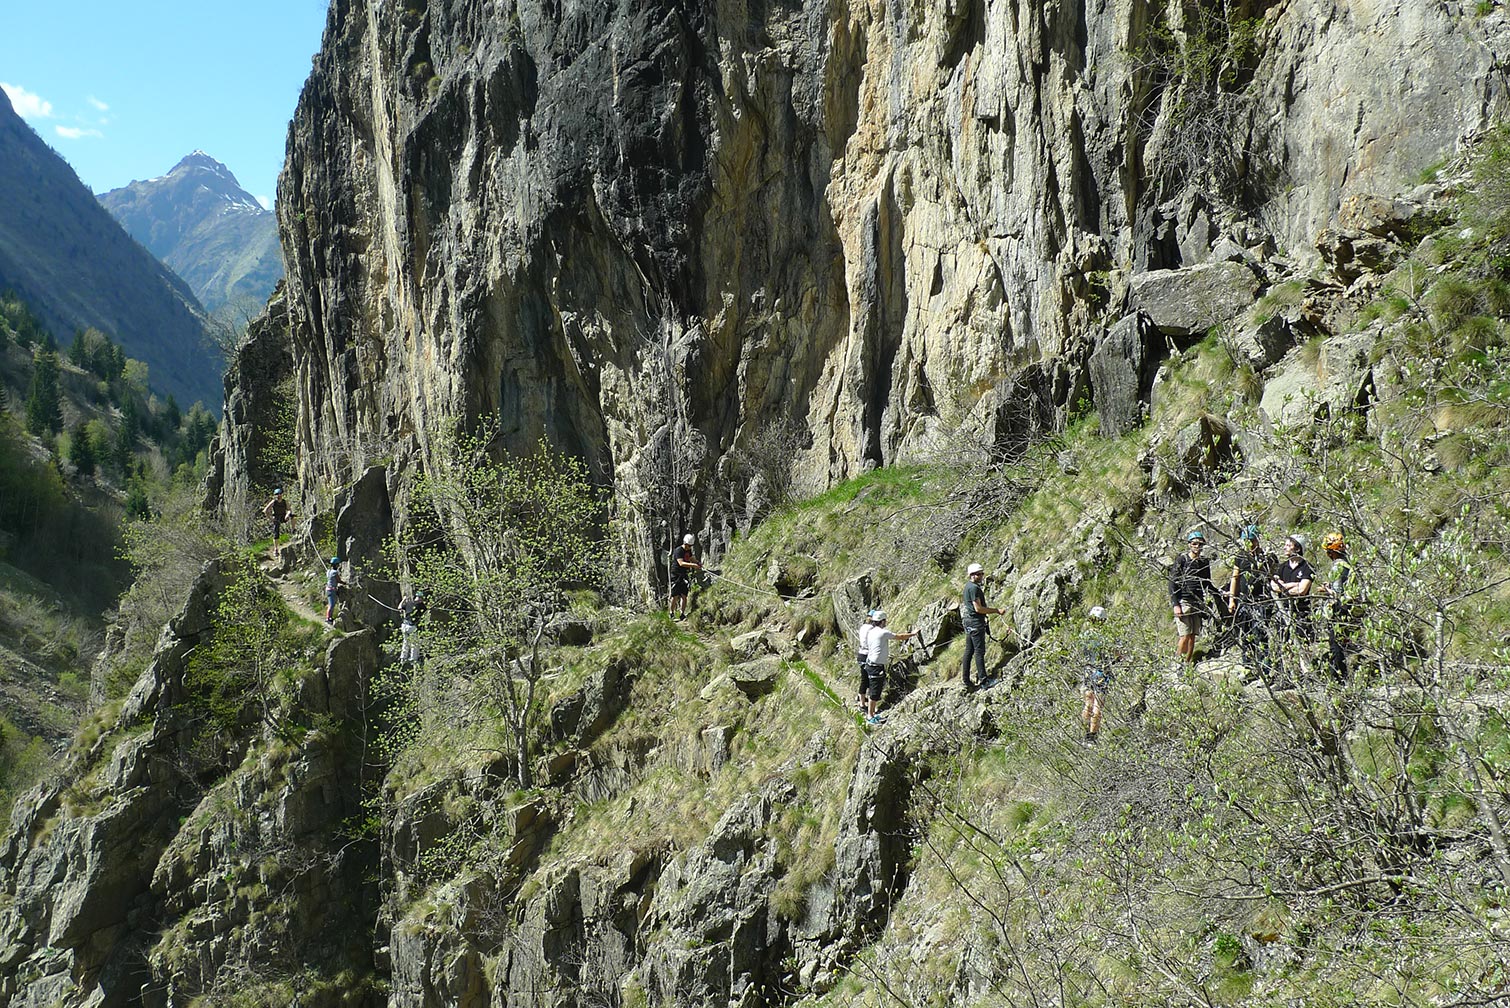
pixel 879 642
pixel 1189 584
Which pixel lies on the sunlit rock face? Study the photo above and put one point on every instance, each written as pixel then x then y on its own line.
pixel 648 231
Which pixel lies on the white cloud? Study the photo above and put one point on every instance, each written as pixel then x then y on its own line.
pixel 74 133
pixel 28 105
pixel 266 201
pixel 99 106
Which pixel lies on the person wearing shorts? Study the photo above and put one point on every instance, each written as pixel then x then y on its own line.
pixel 279 513
pixel 683 563
pixel 1097 675
pixel 1189 583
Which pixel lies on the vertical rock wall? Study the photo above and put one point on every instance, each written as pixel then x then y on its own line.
pixel 645 231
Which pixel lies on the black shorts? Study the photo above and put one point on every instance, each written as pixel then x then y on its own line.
pixel 874 683
pixel 679 586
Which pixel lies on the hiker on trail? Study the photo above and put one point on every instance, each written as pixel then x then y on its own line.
pixel 278 511
pixel 1341 615
pixel 1291 583
pixel 411 609
pixel 683 563
pixel 1096 671
pixel 973 612
pixel 1249 597
pixel 862 652
pixel 1189 584
pixel 332 585
pixel 879 642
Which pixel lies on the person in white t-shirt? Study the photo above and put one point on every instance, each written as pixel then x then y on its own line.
pixel 862 652
pixel 879 644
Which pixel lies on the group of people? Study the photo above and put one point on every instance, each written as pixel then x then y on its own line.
pixel 1267 598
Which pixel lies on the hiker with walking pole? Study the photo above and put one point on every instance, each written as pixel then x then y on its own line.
pixel 973 612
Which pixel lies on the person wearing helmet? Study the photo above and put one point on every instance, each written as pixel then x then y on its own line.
pixel 332 585
pixel 973 612
pixel 878 641
pixel 410 610
pixel 1341 618
pixel 1189 584
pixel 279 513
pixel 1249 598
pixel 862 652
pixel 683 563
pixel 1096 671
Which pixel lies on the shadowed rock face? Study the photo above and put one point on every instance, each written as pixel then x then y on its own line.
pixel 646 231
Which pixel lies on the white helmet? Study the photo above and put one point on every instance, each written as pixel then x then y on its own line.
pixel 879 616
pixel 1097 613
pixel 974 569
pixel 688 539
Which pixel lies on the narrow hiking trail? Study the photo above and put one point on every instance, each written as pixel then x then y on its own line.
pixel 288 590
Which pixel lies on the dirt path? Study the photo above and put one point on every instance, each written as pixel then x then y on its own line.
pixel 288 589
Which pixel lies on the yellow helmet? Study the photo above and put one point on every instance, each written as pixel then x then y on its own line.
pixel 1334 543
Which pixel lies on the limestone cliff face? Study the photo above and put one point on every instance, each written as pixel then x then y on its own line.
pixel 647 231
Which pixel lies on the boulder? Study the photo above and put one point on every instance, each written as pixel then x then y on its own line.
pixel 1336 380
pixel 852 600
pixel 749 646
pixel 1188 302
pixel 792 574
pixel 1196 454
pixel 758 678
pixel 1122 369
pixel 939 623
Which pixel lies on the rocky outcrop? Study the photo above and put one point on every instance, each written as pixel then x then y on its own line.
pixel 649 233
pixel 165 864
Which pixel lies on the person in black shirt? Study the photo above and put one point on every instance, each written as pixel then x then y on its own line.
pixel 683 563
pixel 1250 598
pixel 1189 583
pixel 1291 583
pixel 973 612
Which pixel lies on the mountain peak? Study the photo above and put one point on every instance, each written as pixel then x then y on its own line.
pixel 199 159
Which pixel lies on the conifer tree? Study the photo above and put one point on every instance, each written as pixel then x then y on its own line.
pixel 81 450
pixel 44 406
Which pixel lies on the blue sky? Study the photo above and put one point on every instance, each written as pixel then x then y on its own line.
pixel 124 90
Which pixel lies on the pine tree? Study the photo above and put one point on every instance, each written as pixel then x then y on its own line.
pixel 81 450
pixel 122 452
pixel 44 405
